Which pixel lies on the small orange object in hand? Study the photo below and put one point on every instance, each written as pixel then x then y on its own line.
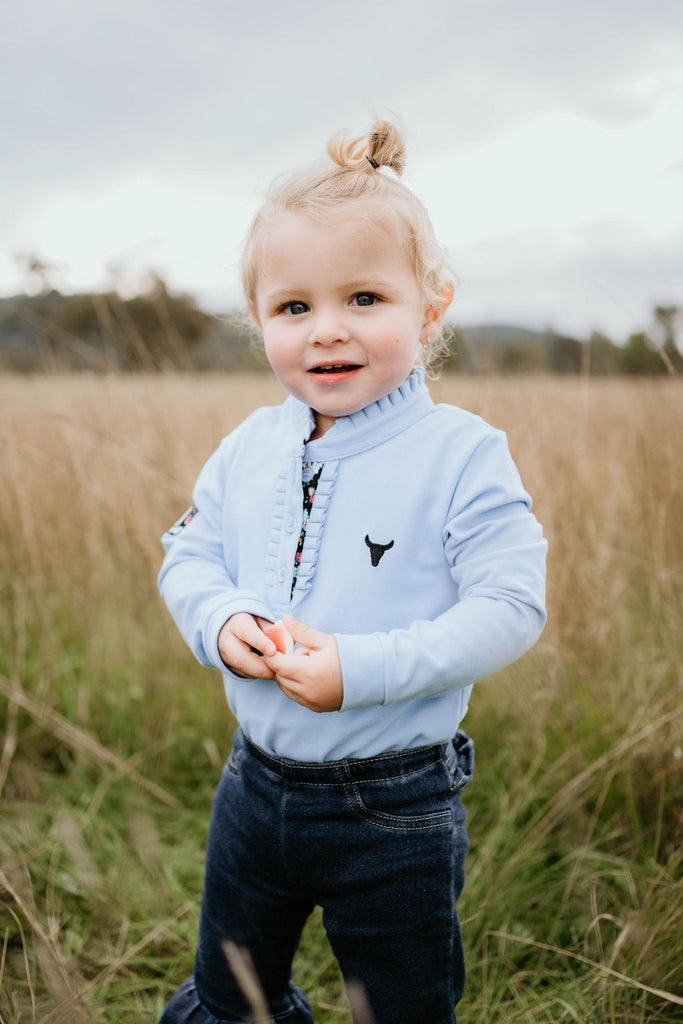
pixel 282 639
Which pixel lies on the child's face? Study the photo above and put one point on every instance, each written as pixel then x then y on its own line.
pixel 341 312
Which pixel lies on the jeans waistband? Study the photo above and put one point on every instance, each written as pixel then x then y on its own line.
pixel 377 768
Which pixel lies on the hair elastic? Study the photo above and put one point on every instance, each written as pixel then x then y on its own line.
pixel 371 160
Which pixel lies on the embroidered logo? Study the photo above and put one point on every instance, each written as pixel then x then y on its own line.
pixel 377 550
pixel 184 520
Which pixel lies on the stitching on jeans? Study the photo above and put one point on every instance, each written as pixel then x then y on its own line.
pixel 365 815
pixel 400 817
pixel 267 761
pixel 343 782
pixel 364 760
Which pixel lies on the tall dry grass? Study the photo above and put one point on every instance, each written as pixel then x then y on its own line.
pixel 112 738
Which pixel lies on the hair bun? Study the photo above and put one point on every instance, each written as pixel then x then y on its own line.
pixel 383 146
pixel 386 147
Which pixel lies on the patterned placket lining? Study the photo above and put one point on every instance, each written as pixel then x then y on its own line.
pixel 311 476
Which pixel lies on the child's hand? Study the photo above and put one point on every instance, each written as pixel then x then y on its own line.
pixel 239 639
pixel 314 680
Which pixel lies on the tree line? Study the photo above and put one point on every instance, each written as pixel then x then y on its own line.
pixel 164 330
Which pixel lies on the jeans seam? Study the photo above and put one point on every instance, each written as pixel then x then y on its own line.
pixel 398 824
pixel 335 783
pixel 366 760
pixel 268 761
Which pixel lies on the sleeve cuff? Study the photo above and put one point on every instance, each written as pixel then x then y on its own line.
pixel 363 670
pixel 249 604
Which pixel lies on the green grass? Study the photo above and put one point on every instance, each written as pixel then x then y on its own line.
pixel 112 738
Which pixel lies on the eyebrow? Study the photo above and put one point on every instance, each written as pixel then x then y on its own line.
pixel 371 285
pixel 361 285
pixel 278 294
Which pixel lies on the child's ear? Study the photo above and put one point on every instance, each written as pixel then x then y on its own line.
pixel 433 321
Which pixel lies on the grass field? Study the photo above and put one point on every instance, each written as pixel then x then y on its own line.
pixel 112 738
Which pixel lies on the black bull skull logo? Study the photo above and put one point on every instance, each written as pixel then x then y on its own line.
pixel 377 550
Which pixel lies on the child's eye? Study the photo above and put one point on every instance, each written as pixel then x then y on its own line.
pixel 365 299
pixel 295 308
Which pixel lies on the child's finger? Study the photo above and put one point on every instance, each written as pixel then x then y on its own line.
pixel 241 659
pixel 290 668
pixel 285 667
pixel 290 681
pixel 303 634
pixel 251 634
pixel 293 693
pixel 299 683
pixel 253 666
pixel 239 644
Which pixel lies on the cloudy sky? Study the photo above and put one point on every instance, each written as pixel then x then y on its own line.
pixel 545 139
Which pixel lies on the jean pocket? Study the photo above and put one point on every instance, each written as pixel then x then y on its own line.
pixel 416 801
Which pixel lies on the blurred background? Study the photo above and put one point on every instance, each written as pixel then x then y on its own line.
pixel 545 140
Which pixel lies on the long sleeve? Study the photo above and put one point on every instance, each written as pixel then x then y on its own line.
pixel 496 553
pixel 195 579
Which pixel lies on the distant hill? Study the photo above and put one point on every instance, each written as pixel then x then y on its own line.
pixel 100 332
pixel 484 346
pixel 103 332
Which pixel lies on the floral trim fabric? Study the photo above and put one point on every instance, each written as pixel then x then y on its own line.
pixel 309 483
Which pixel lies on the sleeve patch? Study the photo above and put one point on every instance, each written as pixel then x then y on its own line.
pixel 184 520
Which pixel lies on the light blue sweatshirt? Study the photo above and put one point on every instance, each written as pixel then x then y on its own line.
pixel 430 495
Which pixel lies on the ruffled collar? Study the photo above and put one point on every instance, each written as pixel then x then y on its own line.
pixel 361 430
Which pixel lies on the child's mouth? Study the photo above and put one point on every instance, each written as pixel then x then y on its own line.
pixel 335 368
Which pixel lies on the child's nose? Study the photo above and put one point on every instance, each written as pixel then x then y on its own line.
pixel 327 328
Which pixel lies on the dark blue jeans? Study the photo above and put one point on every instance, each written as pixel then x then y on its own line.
pixel 379 844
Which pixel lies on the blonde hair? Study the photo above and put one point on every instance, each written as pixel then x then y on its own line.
pixel 354 177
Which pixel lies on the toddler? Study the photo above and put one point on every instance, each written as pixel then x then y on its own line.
pixel 395 539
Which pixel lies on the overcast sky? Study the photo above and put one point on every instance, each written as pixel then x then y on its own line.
pixel 545 139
